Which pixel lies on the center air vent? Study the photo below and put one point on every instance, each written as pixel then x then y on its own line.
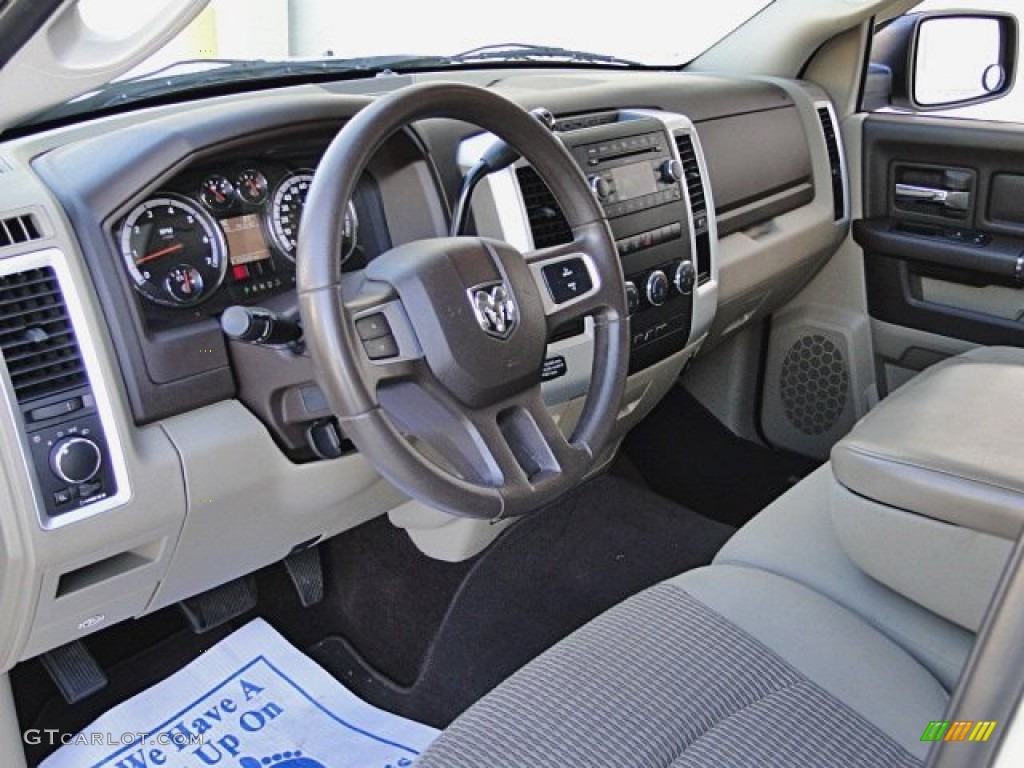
pixel 698 204
pixel 36 337
pixel 547 222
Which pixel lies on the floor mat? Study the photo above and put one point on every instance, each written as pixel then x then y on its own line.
pixel 686 454
pixel 251 700
pixel 542 579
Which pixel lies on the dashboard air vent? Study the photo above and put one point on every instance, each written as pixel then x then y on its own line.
pixel 828 128
pixel 36 336
pixel 698 204
pixel 18 229
pixel 547 222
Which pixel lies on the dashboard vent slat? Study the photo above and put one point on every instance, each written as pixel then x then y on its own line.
pixel 828 129
pixel 18 229
pixel 547 222
pixel 698 204
pixel 36 336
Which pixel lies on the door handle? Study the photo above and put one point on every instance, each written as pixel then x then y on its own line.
pixel 955 200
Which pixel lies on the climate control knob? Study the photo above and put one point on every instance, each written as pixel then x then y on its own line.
pixel 685 277
pixel 657 288
pixel 600 186
pixel 76 460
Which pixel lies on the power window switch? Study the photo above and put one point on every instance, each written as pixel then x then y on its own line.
pixel 63 496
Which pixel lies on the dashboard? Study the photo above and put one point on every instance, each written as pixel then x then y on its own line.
pixel 148 226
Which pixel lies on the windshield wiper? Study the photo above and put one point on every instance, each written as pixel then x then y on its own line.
pixel 528 51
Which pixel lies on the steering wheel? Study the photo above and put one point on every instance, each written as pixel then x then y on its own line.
pixel 431 356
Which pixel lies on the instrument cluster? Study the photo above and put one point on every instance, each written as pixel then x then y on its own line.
pixel 224 234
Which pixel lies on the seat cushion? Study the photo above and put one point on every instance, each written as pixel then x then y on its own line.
pixel 725 666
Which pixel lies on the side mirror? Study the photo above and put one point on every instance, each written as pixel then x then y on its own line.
pixel 946 59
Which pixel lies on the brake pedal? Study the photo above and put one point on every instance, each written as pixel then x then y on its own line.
pixel 220 605
pixel 74 671
pixel 307 575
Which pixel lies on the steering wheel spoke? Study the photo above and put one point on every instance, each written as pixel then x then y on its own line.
pixel 569 281
pixel 514 447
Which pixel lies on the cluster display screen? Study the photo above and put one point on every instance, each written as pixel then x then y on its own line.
pixel 245 239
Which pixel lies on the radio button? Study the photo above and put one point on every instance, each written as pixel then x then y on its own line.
pixel 600 187
pixel 671 171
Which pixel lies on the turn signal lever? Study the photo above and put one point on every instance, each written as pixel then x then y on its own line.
pixel 256 325
pixel 498 156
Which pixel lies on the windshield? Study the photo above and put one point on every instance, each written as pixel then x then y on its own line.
pixel 666 33
pixel 235 44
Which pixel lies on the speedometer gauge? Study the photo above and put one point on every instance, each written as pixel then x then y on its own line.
pixel 174 251
pixel 285 213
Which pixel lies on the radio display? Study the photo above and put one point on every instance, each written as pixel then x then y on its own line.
pixel 634 180
pixel 246 242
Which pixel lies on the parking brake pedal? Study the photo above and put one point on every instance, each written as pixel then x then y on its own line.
pixel 74 671
pixel 221 604
pixel 307 574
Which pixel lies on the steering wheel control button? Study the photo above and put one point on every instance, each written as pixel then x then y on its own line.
pixel 567 280
pixel 373 326
pixel 381 348
pixel 657 288
pixel 632 297
pixel 76 460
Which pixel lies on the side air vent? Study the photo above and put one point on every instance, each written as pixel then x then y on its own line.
pixel 828 128
pixel 18 229
pixel 36 336
pixel 547 223
pixel 698 204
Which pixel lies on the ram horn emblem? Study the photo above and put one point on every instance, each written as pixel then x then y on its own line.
pixel 495 309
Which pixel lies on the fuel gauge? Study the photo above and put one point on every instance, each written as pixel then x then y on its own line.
pixel 184 284
pixel 217 193
pixel 252 186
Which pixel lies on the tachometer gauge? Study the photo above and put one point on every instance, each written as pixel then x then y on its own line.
pixel 174 251
pixel 217 193
pixel 252 186
pixel 285 213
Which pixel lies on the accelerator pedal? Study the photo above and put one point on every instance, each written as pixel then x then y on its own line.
pixel 74 671
pixel 307 575
pixel 220 605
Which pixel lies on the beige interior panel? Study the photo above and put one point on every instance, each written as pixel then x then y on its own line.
pixel 12 753
pixel 248 505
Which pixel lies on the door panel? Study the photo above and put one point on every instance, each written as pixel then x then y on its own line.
pixel 943 233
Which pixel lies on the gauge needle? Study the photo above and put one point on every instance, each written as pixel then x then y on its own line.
pixel 161 252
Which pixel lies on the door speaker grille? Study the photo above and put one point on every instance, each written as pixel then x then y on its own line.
pixel 814 384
